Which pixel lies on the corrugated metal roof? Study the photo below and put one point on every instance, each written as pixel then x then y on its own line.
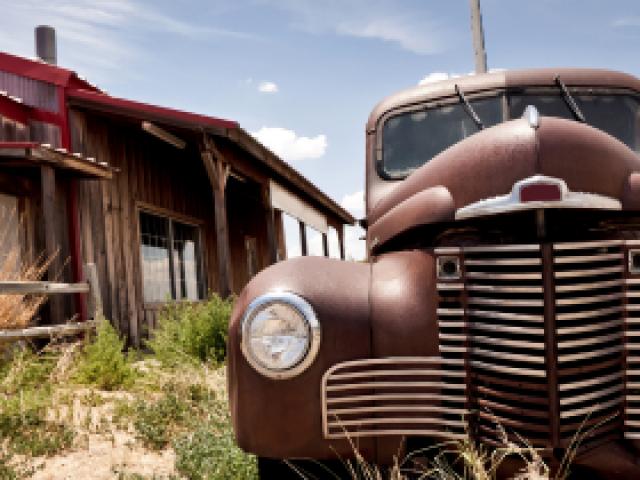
pixel 12 107
pixel 147 111
pixel 57 157
pixel 39 70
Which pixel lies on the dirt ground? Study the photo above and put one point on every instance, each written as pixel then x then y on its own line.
pixel 101 451
pixel 107 457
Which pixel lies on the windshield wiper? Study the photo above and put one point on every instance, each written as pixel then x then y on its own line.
pixel 469 109
pixel 571 103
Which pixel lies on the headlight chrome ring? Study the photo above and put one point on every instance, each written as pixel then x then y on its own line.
pixel 282 329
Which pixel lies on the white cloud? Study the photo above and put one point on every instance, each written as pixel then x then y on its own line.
pixel 386 20
pixel 355 248
pixel 435 77
pixel 268 87
pixel 440 76
pixel 395 30
pixel 627 22
pixel 354 203
pixel 291 147
pixel 98 38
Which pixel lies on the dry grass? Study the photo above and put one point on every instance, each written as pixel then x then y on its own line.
pixel 17 311
pixel 467 459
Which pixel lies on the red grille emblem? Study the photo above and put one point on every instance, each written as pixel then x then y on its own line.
pixel 540 192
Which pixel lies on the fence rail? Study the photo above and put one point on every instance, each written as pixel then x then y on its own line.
pixel 90 288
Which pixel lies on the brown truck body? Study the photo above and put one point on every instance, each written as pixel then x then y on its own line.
pixel 501 289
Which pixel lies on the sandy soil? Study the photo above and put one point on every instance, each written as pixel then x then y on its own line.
pixel 101 450
pixel 106 457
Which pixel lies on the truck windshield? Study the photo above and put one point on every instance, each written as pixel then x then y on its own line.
pixel 618 115
pixel 411 139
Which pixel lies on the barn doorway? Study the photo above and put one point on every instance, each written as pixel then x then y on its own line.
pixel 247 221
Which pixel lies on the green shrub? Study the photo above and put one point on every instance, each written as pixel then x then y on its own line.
pixel 155 422
pixel 203 455
pixel 25 369
pixel 23 425
pixel 103 362
pixel 192 331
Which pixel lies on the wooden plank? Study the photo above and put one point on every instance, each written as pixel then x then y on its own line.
pixel 127 225
pixel 279 223
pixel 218 172
pixel 120 295
pixel 60 330
pixel 303 239
pixel 272 243
pixel 41 287
pixel 95 299
pixel 51 241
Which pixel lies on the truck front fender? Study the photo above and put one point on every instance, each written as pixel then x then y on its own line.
pixel 282 418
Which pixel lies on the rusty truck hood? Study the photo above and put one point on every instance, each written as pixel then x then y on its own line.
pixel 489 163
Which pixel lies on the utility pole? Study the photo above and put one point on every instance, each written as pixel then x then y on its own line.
pixel 478 37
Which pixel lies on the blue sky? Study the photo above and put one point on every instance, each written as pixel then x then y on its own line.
pixel 304 74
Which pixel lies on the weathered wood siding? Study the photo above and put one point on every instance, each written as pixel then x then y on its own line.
pixel 12 131
pixel 153 175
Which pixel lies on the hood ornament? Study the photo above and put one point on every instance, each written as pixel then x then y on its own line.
pixel 532 116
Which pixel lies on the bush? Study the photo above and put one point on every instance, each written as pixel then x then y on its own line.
pixel 210 452
pixel 155 422
pixel 192 331
pixel 25 398
pixel 103 362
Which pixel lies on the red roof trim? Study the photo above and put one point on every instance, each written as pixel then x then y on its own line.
pixel 19 145
pixel 10 108
pixel 41 71
pixel 145 110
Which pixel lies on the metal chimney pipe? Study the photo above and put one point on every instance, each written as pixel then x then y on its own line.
pixel 46 44
pixel 478 37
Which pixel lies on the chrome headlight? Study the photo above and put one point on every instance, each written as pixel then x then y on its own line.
pixel 280 334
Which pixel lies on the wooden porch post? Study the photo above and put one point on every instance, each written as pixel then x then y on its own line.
pixel 303 239
pixel 51 245
pixel 341 241
pixel 325 244
pixel 282 246
pixel 272 242
pixel 218 172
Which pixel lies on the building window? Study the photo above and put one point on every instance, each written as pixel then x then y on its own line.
pixel 334 243
pixel 314 242
pixel 170 255
pixel 291 228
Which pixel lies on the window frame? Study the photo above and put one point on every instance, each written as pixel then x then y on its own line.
pixel 504 92
pixel 171 217
pixel 419 106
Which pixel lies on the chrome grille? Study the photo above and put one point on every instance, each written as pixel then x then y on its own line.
pixel 544 345
pixel 632 354
pixel 505 311
pixel 589 319
pixel 423 396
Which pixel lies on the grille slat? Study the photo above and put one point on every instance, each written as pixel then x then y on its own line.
pixel 395 396
pixel 495 332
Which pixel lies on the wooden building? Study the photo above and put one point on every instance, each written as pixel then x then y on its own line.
pixel 167 204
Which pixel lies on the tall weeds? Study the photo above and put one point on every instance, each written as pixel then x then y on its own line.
pixel 18 310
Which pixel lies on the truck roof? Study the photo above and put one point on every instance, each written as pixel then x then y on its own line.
pixel 475 83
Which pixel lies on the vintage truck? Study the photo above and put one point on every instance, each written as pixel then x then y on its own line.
pixel 501 290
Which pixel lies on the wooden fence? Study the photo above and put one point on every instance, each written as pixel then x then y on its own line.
pixel 91 288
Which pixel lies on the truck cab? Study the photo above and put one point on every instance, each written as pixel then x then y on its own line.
pixel 500 298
